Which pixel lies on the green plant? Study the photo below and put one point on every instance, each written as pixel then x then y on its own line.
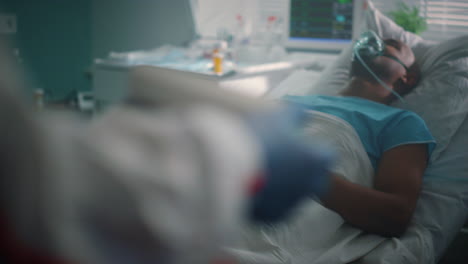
pixel 409 18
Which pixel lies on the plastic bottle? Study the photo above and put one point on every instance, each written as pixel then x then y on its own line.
pixel 239 39
pixel 218 57
pixel 270 30
pixel 276 49
pixel 217 62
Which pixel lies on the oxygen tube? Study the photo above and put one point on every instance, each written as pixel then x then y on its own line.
pixel 372 46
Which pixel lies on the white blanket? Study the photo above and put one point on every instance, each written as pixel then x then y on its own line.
pixel 315 234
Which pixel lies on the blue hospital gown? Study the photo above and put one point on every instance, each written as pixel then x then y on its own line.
pixel 380 127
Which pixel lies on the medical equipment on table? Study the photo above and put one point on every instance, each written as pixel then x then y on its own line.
pixel 111 76
pixel 368 47
pixel 197 58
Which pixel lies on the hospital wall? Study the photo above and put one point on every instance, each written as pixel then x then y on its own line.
pixel 54 41
pixel 59 39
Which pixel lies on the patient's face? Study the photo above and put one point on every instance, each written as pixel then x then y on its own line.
pixel 406 80
pixel 400 50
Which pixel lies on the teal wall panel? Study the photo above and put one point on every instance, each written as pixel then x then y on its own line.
pixel 54 40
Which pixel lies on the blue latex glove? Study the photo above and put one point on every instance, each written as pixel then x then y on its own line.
pixel 293 168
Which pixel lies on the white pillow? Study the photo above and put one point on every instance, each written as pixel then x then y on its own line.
pixel 441 98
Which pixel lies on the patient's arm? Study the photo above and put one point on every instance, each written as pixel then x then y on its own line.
pixel 387 209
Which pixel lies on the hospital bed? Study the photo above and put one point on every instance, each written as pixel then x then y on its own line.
pixel 442 100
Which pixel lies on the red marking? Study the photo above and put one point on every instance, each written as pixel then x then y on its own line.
pixel 257 184
pixel 271 18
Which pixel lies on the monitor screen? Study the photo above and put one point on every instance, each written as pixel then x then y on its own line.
pixel 321 24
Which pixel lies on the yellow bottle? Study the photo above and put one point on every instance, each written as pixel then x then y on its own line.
pixel 217 62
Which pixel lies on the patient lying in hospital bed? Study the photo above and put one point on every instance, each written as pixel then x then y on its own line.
pixel 397 142
pixel 440 99
pixel 383 153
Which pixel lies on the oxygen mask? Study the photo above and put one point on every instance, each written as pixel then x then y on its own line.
pixel 370 46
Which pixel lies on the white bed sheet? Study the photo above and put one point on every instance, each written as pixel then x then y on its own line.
pixel 448 205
